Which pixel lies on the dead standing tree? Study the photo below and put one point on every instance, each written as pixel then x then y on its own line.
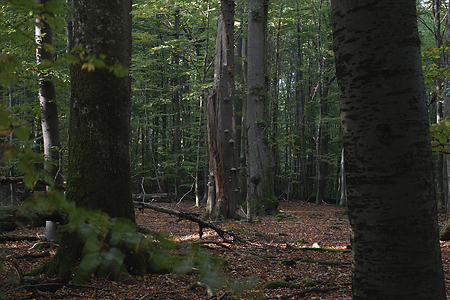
pixel 223 157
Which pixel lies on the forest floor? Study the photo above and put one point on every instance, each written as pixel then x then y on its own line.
pixel 308 245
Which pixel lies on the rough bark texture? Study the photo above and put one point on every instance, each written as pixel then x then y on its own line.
pixel 223 156
pixel 99 169
pixel 261 186
pixel 395 246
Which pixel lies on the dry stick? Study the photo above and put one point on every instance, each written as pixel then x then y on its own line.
pixel 313 289
pixel 191 217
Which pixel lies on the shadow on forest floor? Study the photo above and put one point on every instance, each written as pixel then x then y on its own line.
pixel 305 246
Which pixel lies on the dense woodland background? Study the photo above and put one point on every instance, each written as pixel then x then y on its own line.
pixel 187 99
pixel 172 71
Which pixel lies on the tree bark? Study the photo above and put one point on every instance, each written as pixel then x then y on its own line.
pixel 223 156
pixel 176 112
pixel 387 151
pixel 49 113
pixel 261 187
pixel 99 128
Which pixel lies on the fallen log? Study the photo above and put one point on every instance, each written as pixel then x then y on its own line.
pixel 191 217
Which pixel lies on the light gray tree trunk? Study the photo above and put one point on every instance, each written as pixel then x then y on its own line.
pixel 223 155
pixel 438 83
pixel 49 113
pixel 261 185
pixel 387 151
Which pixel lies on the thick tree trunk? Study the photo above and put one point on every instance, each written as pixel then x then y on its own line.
pixel 387 151
pixel 99 129
pixel 261 187
pixel 223 156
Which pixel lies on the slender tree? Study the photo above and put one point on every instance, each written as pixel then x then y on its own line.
pixel 49 110
pixel 387 151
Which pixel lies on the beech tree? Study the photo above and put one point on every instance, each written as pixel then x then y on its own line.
pixel 49 110
pixel 261 190
pixel 99 130
pixel 392 211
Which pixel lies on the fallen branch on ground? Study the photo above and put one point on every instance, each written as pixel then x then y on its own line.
pixel 310 290
pixel 191 217
pixel 6 238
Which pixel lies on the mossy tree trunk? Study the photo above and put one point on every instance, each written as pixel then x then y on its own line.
pixel 261 190
pixel 99 168
pixel 388 159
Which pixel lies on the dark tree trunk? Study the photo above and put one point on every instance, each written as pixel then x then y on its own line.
pixel 387 151
pixel 99 131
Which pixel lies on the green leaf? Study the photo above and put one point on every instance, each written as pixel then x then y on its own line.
pixel 22 133
pixel 45 63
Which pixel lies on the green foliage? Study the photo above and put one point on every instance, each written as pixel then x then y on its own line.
pixel 308 282
pixel 280 217
pixel 440 135
pixel 430 57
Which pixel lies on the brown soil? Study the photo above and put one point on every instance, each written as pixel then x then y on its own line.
pixel 274 251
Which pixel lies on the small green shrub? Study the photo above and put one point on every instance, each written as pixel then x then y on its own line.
pixel 308 282
pixel 280 217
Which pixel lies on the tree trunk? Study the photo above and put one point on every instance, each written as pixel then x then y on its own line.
pixel 99 128
pixel 440 157
pixel 387 151
pixel 274 108
pixel 445 232
pixel 260 173
pixel 223 156
pixel 12 186
pixel 176 112
pixel 342 182
pixel 300 108
pixel 49 114
pixel 200 189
